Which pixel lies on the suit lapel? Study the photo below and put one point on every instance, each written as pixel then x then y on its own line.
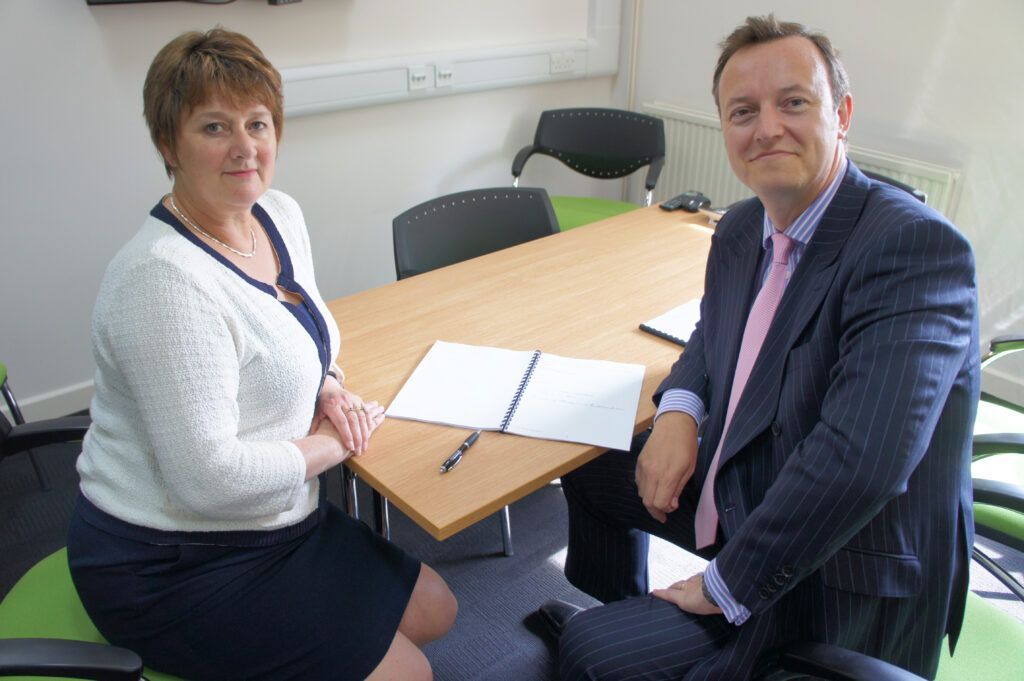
pixel 803 296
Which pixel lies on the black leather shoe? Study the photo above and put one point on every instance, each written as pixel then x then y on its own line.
pixel 549 620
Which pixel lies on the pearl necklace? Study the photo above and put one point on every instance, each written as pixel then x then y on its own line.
pixel 193 225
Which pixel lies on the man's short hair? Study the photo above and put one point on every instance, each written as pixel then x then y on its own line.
pixel 756 30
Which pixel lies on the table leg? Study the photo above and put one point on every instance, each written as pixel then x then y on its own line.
pixel 506 531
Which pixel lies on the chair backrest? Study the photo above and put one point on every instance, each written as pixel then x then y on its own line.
pixel 464 225
pixel 602 143
pixel 913 191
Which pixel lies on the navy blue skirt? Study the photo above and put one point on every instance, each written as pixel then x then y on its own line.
pixel 324 604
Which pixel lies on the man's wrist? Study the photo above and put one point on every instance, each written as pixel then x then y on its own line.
pixel 706 592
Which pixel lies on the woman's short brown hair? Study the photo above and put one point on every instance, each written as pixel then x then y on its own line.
pixel 196 67
pixel 756 30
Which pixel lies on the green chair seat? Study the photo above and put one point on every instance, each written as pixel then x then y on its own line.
pixel 574 211
pixel 989 646
pixel 44 604
pixel 1002 520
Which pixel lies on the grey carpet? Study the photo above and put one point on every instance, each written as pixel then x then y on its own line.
pixel 489 642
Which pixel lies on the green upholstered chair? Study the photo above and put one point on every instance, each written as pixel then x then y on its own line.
pixel 998 470
pixel 44 630
pixel 991 645
pixel 576 211
pixel 601 143
pixel 43 624
pixel 991 648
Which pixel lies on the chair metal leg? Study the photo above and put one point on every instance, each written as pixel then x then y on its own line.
pixel 999 573
pixel 43 484
pixel 348 491
pixel 380 514
pixel 506 531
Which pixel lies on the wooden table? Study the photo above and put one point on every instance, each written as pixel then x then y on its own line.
pixel 579 293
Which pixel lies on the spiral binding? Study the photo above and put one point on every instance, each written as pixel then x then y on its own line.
pixel 511 411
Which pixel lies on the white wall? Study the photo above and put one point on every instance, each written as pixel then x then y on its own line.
pixel 935 80
pixel 932 79
pixel 79 172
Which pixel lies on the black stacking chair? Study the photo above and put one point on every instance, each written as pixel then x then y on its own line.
pixel 19 419
pixel 448 230
pixel 461 226
pixel 24 437
pixel 601 143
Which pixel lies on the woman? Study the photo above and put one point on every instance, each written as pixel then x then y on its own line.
pixel 202 539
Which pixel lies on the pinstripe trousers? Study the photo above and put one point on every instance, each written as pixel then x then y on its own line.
pixel 635 636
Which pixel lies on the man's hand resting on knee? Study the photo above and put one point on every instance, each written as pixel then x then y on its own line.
pixel 666 463
pixel 689 596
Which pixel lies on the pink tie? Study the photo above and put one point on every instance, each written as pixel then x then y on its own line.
pixel 761 315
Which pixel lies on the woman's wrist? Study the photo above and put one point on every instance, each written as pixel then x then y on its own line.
pixel 337 374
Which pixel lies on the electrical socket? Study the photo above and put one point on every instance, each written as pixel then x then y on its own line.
pixel 421 77
pixel 445 75
pixel 563 62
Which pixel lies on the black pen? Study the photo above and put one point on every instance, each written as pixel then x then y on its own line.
pixel 453 460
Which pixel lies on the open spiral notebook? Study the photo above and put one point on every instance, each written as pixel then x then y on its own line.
pixel 527 393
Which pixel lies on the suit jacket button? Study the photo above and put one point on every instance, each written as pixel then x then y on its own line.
pixel 779 578
pixel 787 570
pixel 776 428
pixel 765 593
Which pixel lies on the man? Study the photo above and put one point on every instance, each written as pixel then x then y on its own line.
pixel 833 379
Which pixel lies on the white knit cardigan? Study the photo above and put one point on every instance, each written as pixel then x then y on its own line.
pixel 202 381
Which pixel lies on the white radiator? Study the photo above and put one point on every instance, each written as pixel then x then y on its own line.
pixel 695 159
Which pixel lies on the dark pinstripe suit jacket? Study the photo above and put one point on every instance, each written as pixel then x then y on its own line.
pixel 844 491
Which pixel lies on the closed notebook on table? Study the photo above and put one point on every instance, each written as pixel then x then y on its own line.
pixel 677 324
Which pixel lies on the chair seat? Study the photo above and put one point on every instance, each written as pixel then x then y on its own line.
pixel 44 604
pixel 575 211
pixel 989 646
pixel 1002 524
